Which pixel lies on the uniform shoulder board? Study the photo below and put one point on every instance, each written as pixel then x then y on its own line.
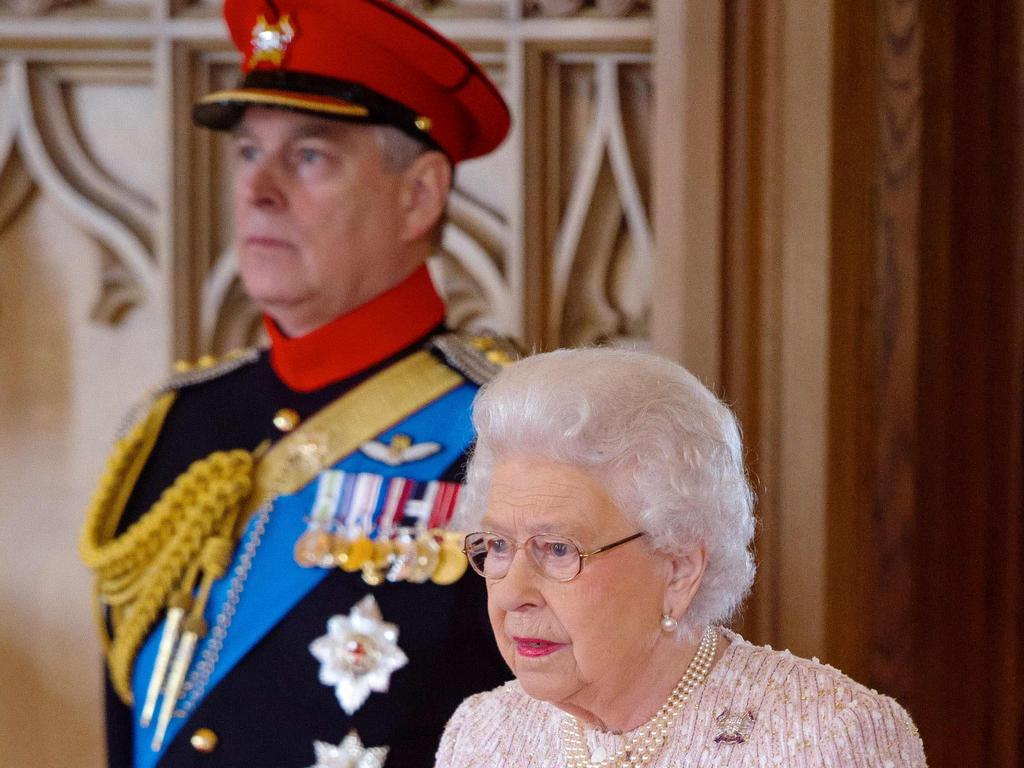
pixel 477 357
pixel 187 374
pixel 207 368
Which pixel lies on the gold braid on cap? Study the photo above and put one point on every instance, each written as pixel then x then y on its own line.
pixel 158 560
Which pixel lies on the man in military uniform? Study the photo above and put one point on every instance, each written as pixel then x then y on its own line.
pixel 278 584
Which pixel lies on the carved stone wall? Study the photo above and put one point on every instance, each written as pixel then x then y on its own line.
pixel 116 260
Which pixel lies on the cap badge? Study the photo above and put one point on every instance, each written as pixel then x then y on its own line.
pixel 269 41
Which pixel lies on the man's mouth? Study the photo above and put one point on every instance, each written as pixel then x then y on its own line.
pixel 257 241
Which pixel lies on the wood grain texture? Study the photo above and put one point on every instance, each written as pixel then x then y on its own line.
pixel 971 411
pixel 927 367
pixel 895 364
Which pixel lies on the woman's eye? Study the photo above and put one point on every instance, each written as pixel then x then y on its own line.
pixel 498 546
pixel 559 548
pixel 246 151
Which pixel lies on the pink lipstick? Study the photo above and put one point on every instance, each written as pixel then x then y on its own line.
pixel 534 646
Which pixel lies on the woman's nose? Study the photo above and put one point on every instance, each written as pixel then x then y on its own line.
pixel 520 587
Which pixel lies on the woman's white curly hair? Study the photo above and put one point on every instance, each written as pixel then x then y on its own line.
pixel 665 448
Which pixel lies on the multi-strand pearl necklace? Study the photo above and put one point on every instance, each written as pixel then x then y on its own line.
pixel 650 736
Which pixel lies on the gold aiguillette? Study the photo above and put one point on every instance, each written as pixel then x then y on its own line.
pixel 179 603
pixel 194 629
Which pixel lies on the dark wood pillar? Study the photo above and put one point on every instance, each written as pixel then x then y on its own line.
pixel 927 390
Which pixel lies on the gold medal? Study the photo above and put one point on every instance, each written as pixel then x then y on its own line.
pixel 452 562
pixel 340 547
pixel 382 549
pixel 371 575
pixel 360 552
pixel 375 568
pixel 428 556
pixel 314 549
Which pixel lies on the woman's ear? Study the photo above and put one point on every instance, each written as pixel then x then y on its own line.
pixel 687 573
pixel 425 187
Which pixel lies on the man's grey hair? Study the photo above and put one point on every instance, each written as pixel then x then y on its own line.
pixel 398 148
pixel 667 451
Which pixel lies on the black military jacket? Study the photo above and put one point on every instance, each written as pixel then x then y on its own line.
pixel 270 707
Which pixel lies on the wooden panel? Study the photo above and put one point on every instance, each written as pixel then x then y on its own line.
pixel 688 185
pixel 971 709
pixel 854 203
pixel 776 300
pixel 750 282
pixel 927 369
pixel 874 364
pixel 893 325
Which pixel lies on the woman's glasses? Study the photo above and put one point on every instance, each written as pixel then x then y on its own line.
pixel 554 557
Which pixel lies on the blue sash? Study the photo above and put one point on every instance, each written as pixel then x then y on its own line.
pixel 276 582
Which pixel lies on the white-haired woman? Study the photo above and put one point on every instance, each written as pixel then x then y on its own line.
pixel 613 521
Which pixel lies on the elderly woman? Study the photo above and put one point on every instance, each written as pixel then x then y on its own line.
pixel 612 521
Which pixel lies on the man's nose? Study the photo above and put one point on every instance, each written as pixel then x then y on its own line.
pixel 263 187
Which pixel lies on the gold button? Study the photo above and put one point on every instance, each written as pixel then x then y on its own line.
pixel 424 123
pixel 204 740
pixel 286 419
pixel 498 357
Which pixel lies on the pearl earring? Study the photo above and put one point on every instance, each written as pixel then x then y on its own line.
pixel 668 623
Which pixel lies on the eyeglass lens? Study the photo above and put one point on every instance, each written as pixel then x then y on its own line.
pixel 491 555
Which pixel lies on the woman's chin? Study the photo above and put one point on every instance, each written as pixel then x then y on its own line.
pixel 549 685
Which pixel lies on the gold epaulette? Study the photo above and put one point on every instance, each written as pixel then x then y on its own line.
pixel 188 374
pixel 478 357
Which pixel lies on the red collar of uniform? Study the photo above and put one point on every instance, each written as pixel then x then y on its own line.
pixel 358 339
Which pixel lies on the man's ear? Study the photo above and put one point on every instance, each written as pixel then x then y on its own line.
pixel 687 573
pixel 425 186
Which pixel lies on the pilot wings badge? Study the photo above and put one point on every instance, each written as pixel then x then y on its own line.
pixel 401 450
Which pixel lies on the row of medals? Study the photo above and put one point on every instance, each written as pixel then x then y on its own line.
pixel 404 554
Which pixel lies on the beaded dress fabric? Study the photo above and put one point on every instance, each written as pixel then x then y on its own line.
pixel 758 707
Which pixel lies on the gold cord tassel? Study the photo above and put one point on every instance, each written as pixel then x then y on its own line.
pixel 179 604
pixel 194 629
pixel 214 562
pixel 138 572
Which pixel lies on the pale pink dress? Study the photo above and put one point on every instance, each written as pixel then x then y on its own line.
pixel 805 715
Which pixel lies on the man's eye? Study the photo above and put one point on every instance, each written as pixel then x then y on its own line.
pixel 307 155
pixel 246 151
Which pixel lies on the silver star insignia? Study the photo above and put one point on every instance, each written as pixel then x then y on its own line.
pixel 349 754
pixel 358 654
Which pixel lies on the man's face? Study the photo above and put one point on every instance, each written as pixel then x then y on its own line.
pixel 318 217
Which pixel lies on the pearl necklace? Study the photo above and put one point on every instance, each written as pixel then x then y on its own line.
pixel 650 736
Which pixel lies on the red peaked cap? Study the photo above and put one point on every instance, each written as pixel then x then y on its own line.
pixel 359 60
